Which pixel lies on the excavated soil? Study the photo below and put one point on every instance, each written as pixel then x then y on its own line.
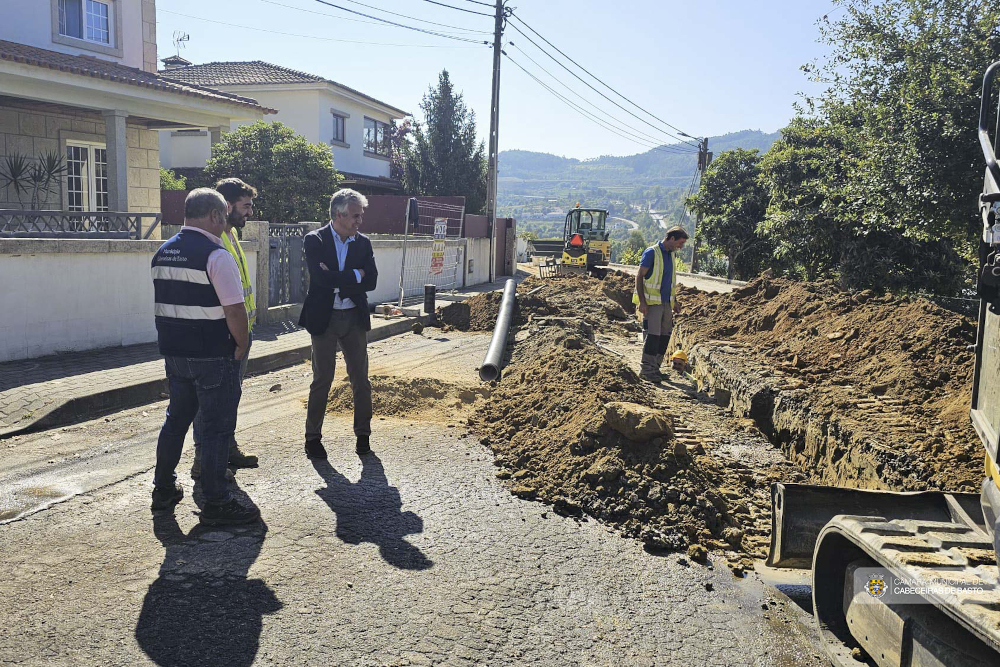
pixel 605 303
pixel 572 425
pixel 424 399
pixel 859 390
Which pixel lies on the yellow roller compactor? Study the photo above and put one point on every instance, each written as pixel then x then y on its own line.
pixel 586 248
pixel 911 578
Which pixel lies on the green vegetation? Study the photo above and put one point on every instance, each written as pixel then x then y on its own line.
pixel 444 157
pixel 294 178
pixel 171 181
pixel 874 183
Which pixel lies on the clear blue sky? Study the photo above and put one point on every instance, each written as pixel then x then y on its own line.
pixel 707 67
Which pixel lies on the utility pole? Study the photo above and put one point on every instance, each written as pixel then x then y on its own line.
pixel 704 159
pixel 491 177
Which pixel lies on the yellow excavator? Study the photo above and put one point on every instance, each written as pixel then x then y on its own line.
pixel 907 579
pixel 586 248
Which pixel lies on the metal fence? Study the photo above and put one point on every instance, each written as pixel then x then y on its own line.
pixel 287 274
pixel 433 250
pixel 77 224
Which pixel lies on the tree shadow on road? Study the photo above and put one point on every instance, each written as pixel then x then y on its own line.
pixel 202 609
pixel 369 511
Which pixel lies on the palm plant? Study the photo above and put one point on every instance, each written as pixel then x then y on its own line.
pixel 34 179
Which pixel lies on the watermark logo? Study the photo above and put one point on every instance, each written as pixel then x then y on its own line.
pixel 876 586
pixel 882 586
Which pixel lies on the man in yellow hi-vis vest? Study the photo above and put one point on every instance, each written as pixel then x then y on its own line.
pixel 656 297
pixel 239 196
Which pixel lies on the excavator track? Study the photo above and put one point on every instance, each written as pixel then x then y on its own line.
pixel 940 604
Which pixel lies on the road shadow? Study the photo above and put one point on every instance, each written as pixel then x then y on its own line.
pixel 369 511
pixel 202 609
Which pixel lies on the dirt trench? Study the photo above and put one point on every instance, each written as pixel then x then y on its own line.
pixel 858 390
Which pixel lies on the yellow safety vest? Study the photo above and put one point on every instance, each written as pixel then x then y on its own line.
pixel 652 282
pixel 241 261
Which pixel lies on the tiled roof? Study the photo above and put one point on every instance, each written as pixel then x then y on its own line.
pixel 110 71
pixel 254 73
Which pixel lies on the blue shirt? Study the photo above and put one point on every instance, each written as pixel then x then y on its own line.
pixel 668 268
pixel 341 247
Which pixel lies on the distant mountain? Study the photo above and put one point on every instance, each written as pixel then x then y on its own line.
pixel 654 167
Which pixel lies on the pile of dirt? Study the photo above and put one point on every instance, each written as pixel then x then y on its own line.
pixel 418 398
pixel 897 370
pixel 573 425
pixel 606 304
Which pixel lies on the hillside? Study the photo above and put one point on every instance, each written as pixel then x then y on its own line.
pixel 651 166
pixel 536 187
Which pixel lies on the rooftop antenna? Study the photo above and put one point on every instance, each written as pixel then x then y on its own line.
pixel 180 39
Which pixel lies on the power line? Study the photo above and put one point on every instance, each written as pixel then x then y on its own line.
pixel 603 123
pixel 619 122
pixel 323 39
pixel 405 16
pixel 479 2
pixel 461 9
pixel 347 18
pixel 577 76
pixel 649 113
pixel 402 25
pixel 595 119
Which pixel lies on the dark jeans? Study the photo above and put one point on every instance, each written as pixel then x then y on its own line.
pixel 345 329
pixel 211 387
pixel 197 420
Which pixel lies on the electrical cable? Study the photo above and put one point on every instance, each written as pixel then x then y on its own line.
pixel 593 118
pixel 603 123
pixel 577 76
pixel 347 18
pixel 324 39
pixel 402 25
pixel 522 22
pixel 592 105
pixel 461 9
pixel 478 2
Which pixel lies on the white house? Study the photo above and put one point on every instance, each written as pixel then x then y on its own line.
pixel 355 125
pixel 78 80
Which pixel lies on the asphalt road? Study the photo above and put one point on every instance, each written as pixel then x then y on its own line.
pixel 417 555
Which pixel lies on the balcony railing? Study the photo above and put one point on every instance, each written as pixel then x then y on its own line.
pixel 77 224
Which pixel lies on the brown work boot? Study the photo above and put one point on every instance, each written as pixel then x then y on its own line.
pixel 238 459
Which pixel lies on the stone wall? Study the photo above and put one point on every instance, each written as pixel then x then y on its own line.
pixel 34 129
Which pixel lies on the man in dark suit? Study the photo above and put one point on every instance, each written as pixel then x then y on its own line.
pixel 341 273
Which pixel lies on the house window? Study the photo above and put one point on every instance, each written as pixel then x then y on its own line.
pixel 339 124
pixel 377 136
pixel 89 20
pixel 86 177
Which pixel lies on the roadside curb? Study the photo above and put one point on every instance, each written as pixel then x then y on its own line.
pixel 133 395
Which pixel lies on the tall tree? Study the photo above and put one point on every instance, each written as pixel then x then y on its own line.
pixel 904 79
pixel 444 157
pixel 733 203
pixel 294 178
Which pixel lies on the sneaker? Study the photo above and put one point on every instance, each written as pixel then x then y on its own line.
pixel 196 469
pixel 165 498
pixel 315 449
pixel 238 459
pixel 228 513
pixel 362 447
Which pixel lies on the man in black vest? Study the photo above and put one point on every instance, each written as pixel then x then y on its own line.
pixel 202 332
pixel 341 273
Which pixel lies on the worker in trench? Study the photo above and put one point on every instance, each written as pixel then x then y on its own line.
pixel 656 300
